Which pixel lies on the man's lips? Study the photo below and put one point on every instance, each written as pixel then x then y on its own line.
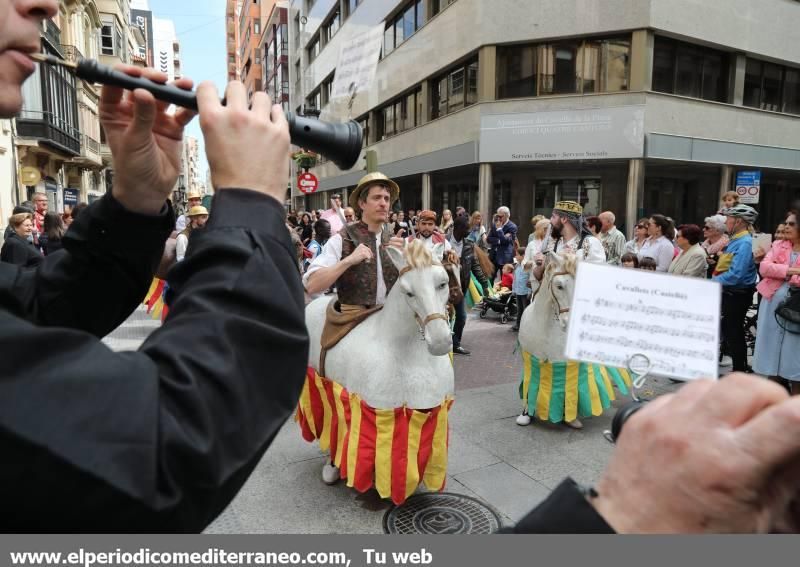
pixel 21 59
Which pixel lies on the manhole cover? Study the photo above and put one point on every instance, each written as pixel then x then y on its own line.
pixel 441 513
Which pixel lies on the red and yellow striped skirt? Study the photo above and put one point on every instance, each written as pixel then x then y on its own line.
pixel 394 450
pixel 154 300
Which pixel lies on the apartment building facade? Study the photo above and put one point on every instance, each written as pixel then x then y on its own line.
pixel 252 19
pixel 57 136
pixel 232 12
pixel 634 106
pixel 275 55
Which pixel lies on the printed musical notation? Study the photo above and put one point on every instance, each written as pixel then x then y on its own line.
pixel 661 365
pixel 643 346
pixel 652 310
pixel 617 314
pixel 649 329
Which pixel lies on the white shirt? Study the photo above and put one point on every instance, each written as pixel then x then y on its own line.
pixel 458 247
pixel 332 255
pixel 661 250
pixel 533 248
pixel 180 224
pixel 180 246
pixel 429 243
pixel 591 251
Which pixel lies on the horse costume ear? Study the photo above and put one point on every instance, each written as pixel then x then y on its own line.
pixel 397 256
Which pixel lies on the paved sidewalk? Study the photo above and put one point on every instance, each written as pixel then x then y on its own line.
pixel 511 468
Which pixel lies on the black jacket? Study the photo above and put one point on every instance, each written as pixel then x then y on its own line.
pixel 565 511
pixel 18 251
pixel 470 264
pixel 160 439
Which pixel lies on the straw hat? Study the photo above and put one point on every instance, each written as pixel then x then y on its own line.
pixel 196 211
pixel 368 181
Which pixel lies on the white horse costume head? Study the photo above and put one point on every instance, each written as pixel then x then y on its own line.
pixel 398 356
pixel 424 286
pixel 543 328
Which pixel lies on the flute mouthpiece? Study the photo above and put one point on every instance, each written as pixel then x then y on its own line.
pixel 51 60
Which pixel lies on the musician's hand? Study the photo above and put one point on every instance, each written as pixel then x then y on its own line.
pixel 359 255
pixel 246 144
pixel 145 140
pixel 717 456
pixel 397 242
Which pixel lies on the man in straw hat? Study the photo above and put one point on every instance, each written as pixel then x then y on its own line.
pixel 198 216
pixel 193 199
pixel 569 233
pixel 355 258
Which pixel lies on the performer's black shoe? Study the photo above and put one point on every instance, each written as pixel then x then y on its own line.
pixel 461 350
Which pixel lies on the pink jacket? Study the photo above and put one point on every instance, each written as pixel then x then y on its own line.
pixel 774 267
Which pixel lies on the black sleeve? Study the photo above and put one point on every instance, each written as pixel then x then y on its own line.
pixel 160 439
pixel 14 254
pixel 565 511
pixel 99 279
pixel 478 271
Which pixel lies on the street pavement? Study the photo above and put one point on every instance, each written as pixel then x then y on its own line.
pixel 510 468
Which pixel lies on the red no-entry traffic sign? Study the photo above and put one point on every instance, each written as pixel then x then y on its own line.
pixel 307 183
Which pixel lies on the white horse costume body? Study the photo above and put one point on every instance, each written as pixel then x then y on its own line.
pixel 382 407
pixel 553 388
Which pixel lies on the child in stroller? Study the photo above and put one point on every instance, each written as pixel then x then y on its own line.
pixel 501 300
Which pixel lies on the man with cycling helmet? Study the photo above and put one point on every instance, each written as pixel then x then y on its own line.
pixel 736 272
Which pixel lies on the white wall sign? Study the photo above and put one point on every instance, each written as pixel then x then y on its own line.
pixel 618 313
pixel 603 133
pixel 358 60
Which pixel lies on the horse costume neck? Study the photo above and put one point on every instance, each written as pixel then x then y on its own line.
pixel 557 309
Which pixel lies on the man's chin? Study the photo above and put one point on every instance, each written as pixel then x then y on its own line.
pixel 10 100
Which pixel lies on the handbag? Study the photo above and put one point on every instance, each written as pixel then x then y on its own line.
pixel 789 312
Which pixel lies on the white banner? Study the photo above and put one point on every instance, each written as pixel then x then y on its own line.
pixel 358 60
pixel 598 133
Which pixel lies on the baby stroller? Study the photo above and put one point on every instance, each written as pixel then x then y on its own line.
pixel 504 304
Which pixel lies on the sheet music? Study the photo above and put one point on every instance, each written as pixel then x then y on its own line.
pixel 618 312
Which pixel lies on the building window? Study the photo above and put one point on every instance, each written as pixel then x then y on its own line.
pixel 325 90
pixel 587 66
pixel 455 89
pixel 689 70
pixel 364 123
pixel 108 44
pixel 350 6
pixel 399 115
pixel 331 25
pixel 313 49
pixel 314 100
pixel 256 27
pixel 403 25
pixel 439 5
pixel 769 86
pixel 516 71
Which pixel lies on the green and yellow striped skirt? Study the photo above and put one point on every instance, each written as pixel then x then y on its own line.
pixel 565 390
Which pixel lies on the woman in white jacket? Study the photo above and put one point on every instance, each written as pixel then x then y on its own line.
pixel 198 216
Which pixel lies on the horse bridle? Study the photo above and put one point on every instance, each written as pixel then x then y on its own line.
pixel 560 310
pixel 423 323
